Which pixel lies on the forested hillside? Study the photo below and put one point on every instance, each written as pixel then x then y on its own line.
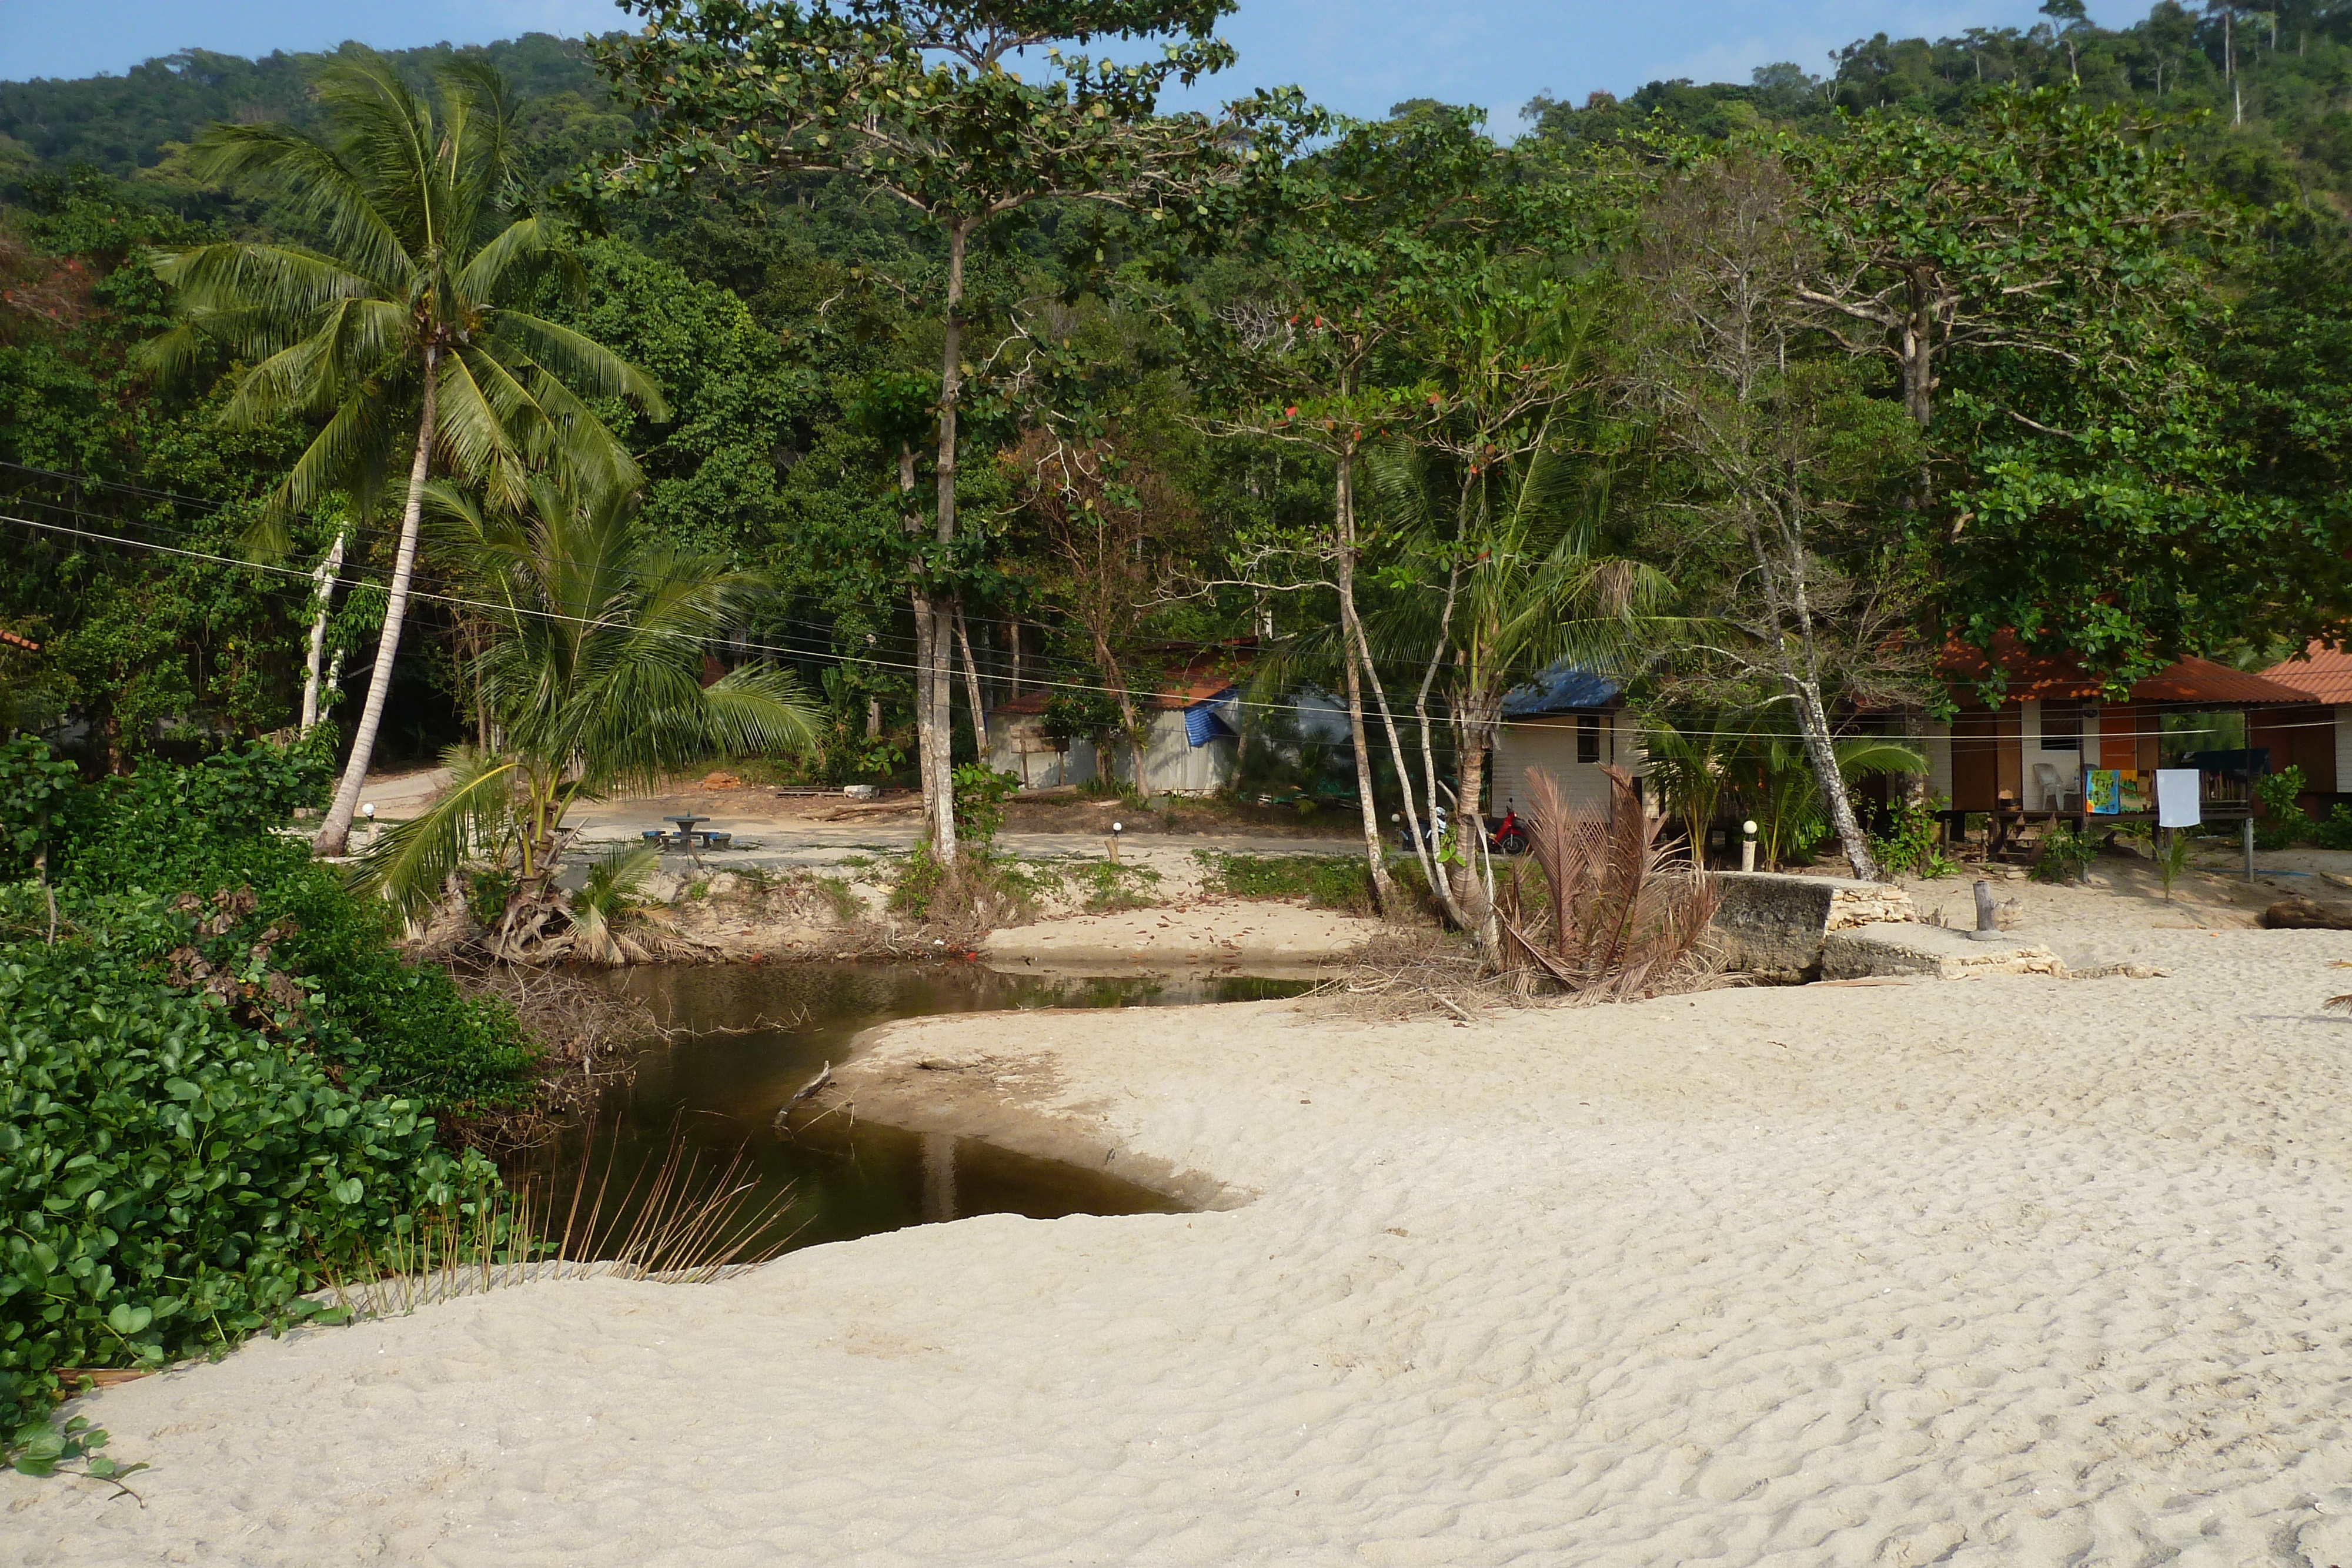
pixel 122 125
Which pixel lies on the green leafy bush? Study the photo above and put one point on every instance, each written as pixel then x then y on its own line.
pixel 919 882
pixel 2064 854
pixel 2283 817
pixel 176 1167
pixel 35 790
pixel 980 793
pixel 2277 835
pixel 1909 845
pixel 2336 832
pixel 212 828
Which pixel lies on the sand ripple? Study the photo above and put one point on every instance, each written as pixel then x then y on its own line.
pixel 2004 1272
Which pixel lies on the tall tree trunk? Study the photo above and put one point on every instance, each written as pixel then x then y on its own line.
pixel 1919 344
pixel 971 687
pixel 1423 850
pixel 1820 748
pixel 931 747
pixel 1351 635
pixel 325 577
pixel 1130 721
pixel 334 835
pixel 934 731
pixel 1474 721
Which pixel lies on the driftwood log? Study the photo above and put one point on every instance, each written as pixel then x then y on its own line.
pixel 2301 914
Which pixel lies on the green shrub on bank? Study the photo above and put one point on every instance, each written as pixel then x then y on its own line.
pixel 2065 855
pixel 212 829
pixel 1110 888
pixel 979 796
pixel 2283 821
pixel 1324 882
pixel 177 1165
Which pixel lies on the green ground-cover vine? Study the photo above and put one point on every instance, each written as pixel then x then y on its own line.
pixel 166 830
pixel 173 1178
pixel 219 1081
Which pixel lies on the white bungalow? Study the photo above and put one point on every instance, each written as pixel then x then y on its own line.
pixel 1570 724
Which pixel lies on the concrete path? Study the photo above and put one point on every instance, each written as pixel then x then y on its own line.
pixel 826 833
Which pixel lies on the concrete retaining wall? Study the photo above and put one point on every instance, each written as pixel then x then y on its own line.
pixel 1772 925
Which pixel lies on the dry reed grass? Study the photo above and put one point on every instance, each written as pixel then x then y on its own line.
pixel 684 1221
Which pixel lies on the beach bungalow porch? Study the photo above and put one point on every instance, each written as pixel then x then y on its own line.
pixel 2316 738
pixel 2055 748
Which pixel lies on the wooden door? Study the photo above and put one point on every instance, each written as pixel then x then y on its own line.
pixel 1975 772
pixel 2008 751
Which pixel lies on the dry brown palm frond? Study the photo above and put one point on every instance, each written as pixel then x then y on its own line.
pixel 1413 972
pixel 2343 1002
pixel 1624 915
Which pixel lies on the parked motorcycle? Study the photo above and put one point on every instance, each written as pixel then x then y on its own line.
pixel 1505 835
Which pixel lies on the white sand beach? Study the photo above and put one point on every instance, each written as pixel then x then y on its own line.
pixel 2011 1271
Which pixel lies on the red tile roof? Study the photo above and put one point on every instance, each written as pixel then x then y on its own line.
pixel 13 641
pixel 2040 677
pixel 2326 673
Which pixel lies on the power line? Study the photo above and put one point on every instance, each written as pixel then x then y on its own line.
pixel 890 637
pixel 803 656
pixel 415 594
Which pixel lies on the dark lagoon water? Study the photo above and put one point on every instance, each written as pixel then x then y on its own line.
pixel 751 1035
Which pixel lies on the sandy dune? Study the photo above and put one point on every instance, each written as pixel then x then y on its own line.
pixel 2015 1270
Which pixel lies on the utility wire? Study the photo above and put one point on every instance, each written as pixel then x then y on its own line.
pixel 898 642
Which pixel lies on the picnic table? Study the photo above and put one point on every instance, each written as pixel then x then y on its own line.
pixel 686 836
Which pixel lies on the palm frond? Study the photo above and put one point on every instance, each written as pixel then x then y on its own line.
pixel 583 365
pixel 607 897
pixel 323 187
pixel 410 862
pixel 475 442
pixel 1862 756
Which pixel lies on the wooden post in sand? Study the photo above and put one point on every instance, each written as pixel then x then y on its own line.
pixel 1987 919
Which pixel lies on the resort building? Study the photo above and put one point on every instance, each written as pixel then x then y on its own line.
pixel 2318 737
pixel 1568 723
pixel 2034 749
pixel 1192 740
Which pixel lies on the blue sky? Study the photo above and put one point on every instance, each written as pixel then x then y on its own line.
pixel 1357 55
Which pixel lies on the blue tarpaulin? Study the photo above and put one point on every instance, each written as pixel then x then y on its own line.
pixel 1563 689
pixel 1211 718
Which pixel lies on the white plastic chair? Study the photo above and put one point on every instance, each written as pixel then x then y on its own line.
pixel 2045 776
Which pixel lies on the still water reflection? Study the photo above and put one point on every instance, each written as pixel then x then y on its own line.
pixel 755 1033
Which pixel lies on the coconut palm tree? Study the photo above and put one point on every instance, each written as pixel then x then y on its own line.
pixel 593 680
pixel 1517 580
pixel 1690 759
pixel 400 331
pixel 1776 781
